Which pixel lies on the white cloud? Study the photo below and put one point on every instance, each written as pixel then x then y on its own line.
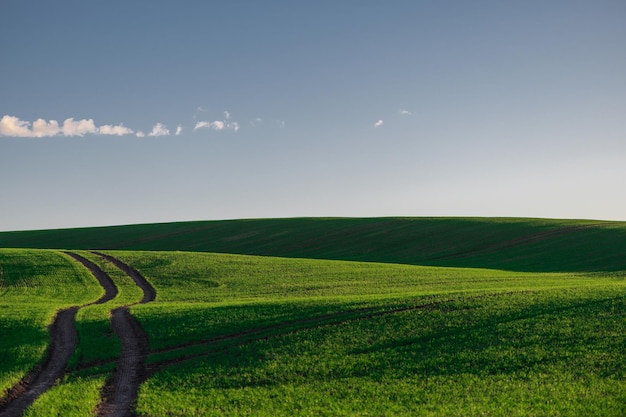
pixel 42 128
pixel 13 126
pixel 256 122
pixel 159 129
pixel 118 130
pixel 378 123
pixel 140 134
pixel 405 112
pixel 78 128
pixel 218 125
pixel 179 130
pixel 215 125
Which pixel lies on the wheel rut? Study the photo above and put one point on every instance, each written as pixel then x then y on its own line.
pixel 63 340
pixel 119 394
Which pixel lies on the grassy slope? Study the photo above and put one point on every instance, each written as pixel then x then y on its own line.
pixel 34 284
pixel 544 344
pixel 513 244
pixel 79 395
pixel 539 344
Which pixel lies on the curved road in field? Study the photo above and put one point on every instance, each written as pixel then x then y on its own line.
pixel 63 341
pixel 120 391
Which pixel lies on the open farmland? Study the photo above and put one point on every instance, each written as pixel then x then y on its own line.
pixel 232 334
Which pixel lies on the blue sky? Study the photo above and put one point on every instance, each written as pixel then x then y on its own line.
pixel 149 111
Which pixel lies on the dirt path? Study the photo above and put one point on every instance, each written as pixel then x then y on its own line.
pixel 120 391
pixel 40 379
pixel 149 293
pixel 110 290
pixel 63 341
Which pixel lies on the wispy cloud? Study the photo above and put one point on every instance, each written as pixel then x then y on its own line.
pixel 256 121
pixel 179 130
pixel 218 125
pixel 13 126
pixel 159 129
pixel 405 112
pixel 378 123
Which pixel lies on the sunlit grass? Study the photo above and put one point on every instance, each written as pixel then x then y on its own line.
pixel 34 284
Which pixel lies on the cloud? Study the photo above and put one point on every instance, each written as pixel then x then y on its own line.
pixel 218 125
pixel 378 123
pixel 41 128
pixel 78 128
pixel 179 130
pixel 159 129
pixel 405 112
pixel 118 130
pixel 140 134
pixel 13 126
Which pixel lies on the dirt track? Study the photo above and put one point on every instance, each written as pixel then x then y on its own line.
pixel 120 391
pixel 40 379
pixel 63 341
pixel 149 293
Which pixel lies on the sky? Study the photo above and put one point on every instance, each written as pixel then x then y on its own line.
pixel 123 112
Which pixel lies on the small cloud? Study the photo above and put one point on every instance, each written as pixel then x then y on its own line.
pixel 256 122
pixel 281 123
pixel 78 128
pixel 179 130
pixel 118 130
pixel 215 125
pixel 42 128
pixel 12 126
pixel 140 134
pixel 159 129
pixel 405 112
pixel 378 123
pixel 218 125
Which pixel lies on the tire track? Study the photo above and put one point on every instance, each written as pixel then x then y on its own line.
pixel 63 340
pixel 149 293
pixel 119 394
pixel 287 328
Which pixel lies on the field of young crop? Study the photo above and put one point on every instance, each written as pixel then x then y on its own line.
pixel 34 284
pixel 235 334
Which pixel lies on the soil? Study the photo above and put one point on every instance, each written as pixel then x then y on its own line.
pixel 119 394
pixel 42 377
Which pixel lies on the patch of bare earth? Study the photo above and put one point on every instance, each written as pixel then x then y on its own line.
pixel 119 394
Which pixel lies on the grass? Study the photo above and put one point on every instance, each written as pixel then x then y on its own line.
pixel 34 284
pixel 79 394
pixel 277 336
pixel 536 245
pixel 454 317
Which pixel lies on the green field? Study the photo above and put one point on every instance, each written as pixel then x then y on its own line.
pixel 448 317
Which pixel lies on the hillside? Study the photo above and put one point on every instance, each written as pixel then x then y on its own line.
pixel 499 243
